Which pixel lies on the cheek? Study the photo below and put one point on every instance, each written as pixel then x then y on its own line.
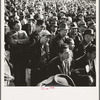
pixel 47 39
pixel 66 56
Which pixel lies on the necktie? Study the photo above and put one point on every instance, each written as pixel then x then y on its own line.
pixel 65 66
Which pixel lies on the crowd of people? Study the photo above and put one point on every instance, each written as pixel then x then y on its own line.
pixel 54 40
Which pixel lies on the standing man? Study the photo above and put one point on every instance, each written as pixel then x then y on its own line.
pixel 58 40
pixel 87 39
pixel 35 35
pixel 38 56
pixel 18 41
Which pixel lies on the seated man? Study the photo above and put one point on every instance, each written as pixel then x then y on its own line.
pixel 61 63
pixel 87 62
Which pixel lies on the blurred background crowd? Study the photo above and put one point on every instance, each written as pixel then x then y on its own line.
pixel 50 42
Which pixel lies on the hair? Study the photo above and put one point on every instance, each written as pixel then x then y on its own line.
pixel 63 47
pixel 90 48
pixel 15 22
pixel 68 40
pixel 39 22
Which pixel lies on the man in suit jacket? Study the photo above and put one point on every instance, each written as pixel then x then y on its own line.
pixel 88 38
pixel 61 63
pixel 38 57
pixel 86 62
pixel 58 40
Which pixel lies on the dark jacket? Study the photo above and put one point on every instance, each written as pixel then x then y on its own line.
pixel 34 37
pixel 82 62
pixel 55 45
pixel 28 28
pixel 38 65
pixel 81 50
pixel 35 55
pixel 53 67
pixel 18 43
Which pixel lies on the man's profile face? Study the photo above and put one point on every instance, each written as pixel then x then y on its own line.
pixel 65 54
pixel 93 55
pixel 40 28
pixel 88 38
pixel 71 45
pixel 63 32
pixel 45 39
pixel 18 26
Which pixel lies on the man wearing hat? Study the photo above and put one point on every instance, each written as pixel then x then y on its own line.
pixel 29 27
pixel 75 35
pixel 63 19
pixel 39 57
pixel 82 26
pixel 58 40
pixel 39 14
pixel 39 25
pixel 87 39
pixel 61 13
pixel 53 29
pixel 91 25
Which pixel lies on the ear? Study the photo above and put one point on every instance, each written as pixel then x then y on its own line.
pixel 88 54
pixel 60 54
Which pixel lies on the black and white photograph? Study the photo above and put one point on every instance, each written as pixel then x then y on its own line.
pixel 50 49
pixel 50 43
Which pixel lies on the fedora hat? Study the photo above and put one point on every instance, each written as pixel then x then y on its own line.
pixel 91 22
pixel 89 32
pixel 63 26
pixel 73 25
pixel 58 80
pixel 62 11
pixel 64 17
pixel 82 23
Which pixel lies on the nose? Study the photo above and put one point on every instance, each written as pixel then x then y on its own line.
pixel 48 39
